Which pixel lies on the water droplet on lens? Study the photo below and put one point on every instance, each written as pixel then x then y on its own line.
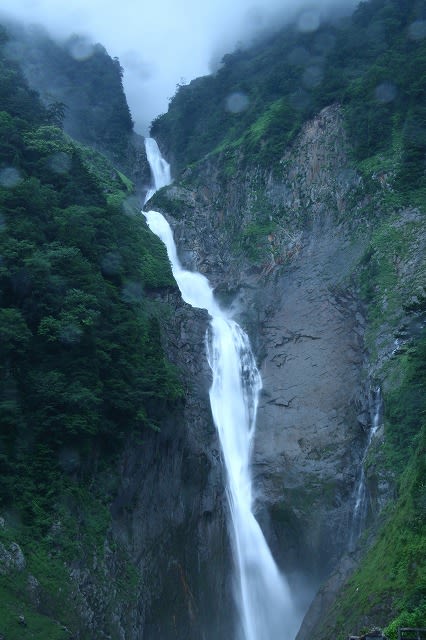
pixel 10 177
pixel 132 292
pixel 300 100
pixel 298 56
pixel 131 205
pixel 417 30
pixel 70 334
pixel 312 77
pixel 324 42
pixel 385 92
pixel 60 162
pixel 111 263
pixel 237 102
pixel 309 21
pixel 80 48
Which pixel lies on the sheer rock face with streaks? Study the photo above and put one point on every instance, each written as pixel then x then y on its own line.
pixel 309 436
pixel 290 284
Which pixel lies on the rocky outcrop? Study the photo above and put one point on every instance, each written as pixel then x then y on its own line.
pixel 286 247
pixel 232 220
pixel 11 558
pixel 136 166
pixel 281 247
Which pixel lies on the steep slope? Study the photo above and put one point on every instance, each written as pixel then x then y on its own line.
pixel 81 86
pixel 112 505
pixel 313 229
pixel 372 64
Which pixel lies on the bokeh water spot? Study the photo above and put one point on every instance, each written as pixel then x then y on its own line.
pixel 237 102
pixel 417 30
pixel 385 92
pixel 60 162
pixel 309 21
pixel 10 177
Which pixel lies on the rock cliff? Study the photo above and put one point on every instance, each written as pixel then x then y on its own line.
pixel 167 545
pixel 297 298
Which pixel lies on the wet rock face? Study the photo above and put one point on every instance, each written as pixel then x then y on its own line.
pixel 306 327
pixel 137 167
pixel 309 438
pixel 169 512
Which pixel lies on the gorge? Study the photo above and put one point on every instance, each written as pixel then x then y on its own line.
pixel 304 209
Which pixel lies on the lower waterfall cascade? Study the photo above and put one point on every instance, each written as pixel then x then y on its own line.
pixel 263 599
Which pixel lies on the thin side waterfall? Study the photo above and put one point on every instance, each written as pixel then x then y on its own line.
pixel 360 511
pixel 262 595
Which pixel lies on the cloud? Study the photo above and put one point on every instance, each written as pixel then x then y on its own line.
pixel 163 43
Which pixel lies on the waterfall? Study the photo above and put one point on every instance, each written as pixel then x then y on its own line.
pixel 262 595
pixel 159 167
pixel 359 515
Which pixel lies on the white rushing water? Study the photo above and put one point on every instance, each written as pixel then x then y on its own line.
pixel 262 595
pixel 360 511
pixel 159 167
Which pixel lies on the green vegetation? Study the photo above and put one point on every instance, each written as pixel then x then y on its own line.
pixel 81 86
pixel 406 409
pixel 81 359
pixel 373 64
pixel 392 245
pixel 34 624
pixel 175 205
pixel 199 120
pixel 391 578
pixel 255 239
pixel 388 588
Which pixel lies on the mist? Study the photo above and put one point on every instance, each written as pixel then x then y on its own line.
pixel 168 42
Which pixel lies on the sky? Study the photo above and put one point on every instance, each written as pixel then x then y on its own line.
pixel 163 43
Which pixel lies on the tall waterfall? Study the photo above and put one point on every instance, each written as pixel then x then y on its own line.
pixel 262 595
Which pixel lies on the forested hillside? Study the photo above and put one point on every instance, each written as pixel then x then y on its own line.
pixel 82 365
pixel 79 83
pixel 373 64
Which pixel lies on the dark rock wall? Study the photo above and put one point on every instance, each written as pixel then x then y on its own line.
pixel 164 570
pixel 170 511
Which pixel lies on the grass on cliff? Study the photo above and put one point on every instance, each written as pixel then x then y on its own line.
pixel 77 536
pixel 36 625
pixel 47 606
pixel 390 583
pixel 372 63
pixel 394 245
pixel 388 589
